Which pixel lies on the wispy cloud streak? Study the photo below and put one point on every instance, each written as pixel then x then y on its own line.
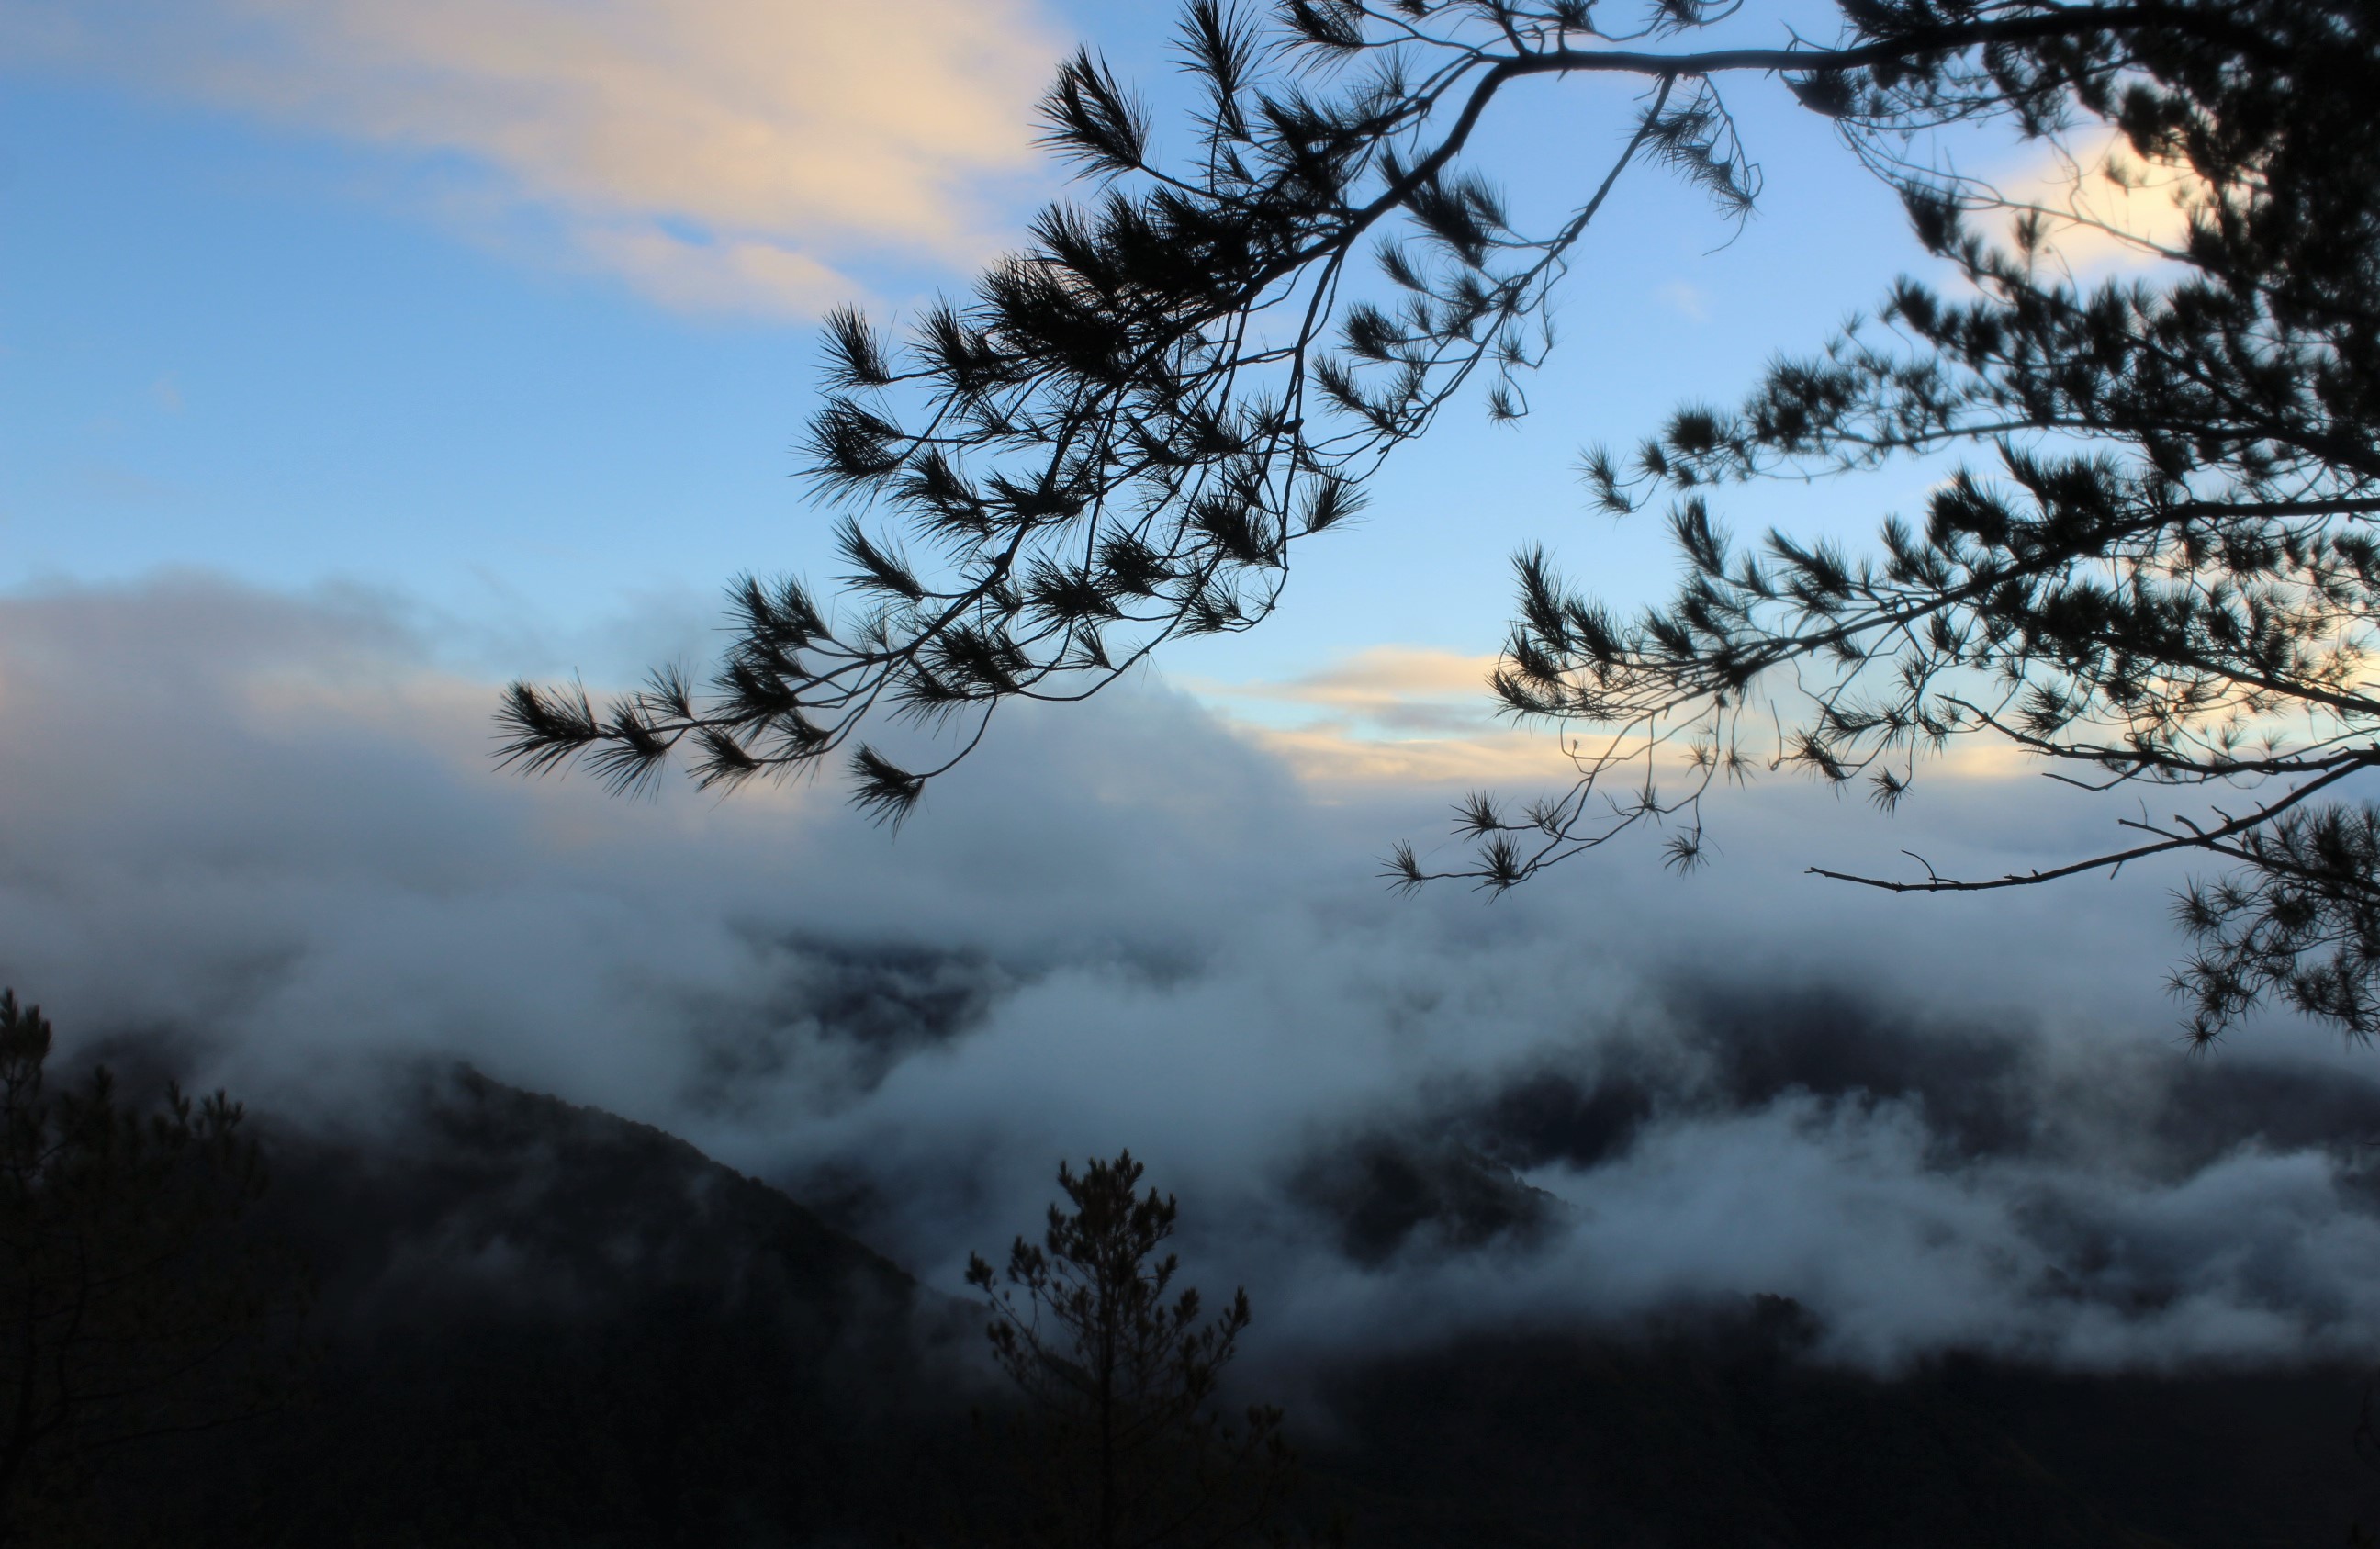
pixel 714 154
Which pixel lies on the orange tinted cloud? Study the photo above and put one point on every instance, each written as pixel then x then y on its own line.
pixel 1398 715
pixel 2105 208
pixel 1404 688
pixel 1404 714
pixel 711 153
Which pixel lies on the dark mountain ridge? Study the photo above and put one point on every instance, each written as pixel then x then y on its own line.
pixel 541 1324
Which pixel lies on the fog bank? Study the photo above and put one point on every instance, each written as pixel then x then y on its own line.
pixel 262 833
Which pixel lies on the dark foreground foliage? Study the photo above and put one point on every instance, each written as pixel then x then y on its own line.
pixel 137 1304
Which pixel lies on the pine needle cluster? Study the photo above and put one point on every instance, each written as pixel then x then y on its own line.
pixel 2155 565
pixel 2155 568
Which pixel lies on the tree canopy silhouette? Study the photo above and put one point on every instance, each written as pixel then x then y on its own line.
pixel 2156 568
pixel 131 1305
pixel 1120 1444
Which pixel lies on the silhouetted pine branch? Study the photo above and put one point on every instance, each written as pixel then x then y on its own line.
pixel 1120 436
pixel 2156 569
pixel 2161 574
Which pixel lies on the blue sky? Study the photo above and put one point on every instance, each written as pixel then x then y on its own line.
pixel 475 306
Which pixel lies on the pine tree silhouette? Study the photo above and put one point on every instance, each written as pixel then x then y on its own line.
pixel 1119 1444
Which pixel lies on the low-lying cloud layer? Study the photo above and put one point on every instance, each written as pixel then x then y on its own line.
pixel 262 833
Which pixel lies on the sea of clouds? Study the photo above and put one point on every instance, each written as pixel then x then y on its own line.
pixel 260 836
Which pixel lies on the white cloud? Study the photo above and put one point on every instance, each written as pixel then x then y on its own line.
pixel 749 275
pixel 715 153
pixel 269 824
